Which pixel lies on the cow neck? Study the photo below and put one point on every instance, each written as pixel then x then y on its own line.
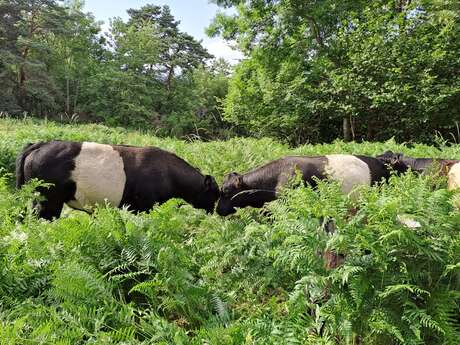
pixel 421 164
pixel 265 177
pixel 418 164
pixel 189 183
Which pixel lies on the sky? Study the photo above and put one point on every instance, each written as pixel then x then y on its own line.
pixel 194 17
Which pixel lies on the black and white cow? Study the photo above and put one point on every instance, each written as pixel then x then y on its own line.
pixel 448 167
pixel 87 173
pixel 260 185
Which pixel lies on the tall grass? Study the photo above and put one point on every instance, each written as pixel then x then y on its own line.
pixel 175 275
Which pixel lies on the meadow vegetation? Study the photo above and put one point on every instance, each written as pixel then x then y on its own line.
pixel 175 275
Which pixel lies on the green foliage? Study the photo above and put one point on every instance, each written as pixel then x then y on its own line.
pixel 55 63
pixel 200 92
pixel 24 26
pixel 372 69
pixel 313 70
pixel 155 76
pixel 175 275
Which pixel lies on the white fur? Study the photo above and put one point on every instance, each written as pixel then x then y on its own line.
pixel 453 177
pixel 99 175
pixel 349 170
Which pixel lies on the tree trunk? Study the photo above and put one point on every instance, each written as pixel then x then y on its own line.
pixel 316 31
pixel 22 77
pixel 372 122
pixel 370 130
pixel 352 127
pixel 77 88
pixel 67 98
pixel 169 79
pixel 346 129
pixel 22 67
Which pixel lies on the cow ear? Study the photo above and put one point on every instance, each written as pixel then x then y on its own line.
pixel 209 182
pixel 239 181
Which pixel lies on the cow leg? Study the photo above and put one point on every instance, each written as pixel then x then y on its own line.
pixel 49 209
pixel 332 259
pixel 52 206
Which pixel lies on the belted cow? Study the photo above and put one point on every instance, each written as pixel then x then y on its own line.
pixel 87 173
pixel 260 185
pixel 448 167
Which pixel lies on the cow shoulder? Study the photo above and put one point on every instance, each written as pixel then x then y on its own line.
pixel 53 161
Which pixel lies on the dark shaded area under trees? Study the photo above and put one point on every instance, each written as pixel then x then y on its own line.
pixel 314 70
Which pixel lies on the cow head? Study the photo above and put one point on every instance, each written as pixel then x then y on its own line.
pixel 395 160
pixel 206 199
pixel 235 193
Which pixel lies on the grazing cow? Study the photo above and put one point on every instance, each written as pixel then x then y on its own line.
pixel 449 167
pixel 87 173
pixel 260 185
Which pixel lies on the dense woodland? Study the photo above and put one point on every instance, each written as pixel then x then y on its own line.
pixel 313 70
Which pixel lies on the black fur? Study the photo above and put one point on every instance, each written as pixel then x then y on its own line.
pixel 263 182
pixel 377 169
pixel 418 165
pixel 152 176
pixel 51 162
pixel 20 162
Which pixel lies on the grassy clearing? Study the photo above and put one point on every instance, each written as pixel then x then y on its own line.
pixel 177 276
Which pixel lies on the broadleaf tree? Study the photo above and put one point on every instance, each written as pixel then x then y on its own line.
pixel 319 70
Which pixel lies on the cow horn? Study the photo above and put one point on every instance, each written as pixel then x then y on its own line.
pixel 252 191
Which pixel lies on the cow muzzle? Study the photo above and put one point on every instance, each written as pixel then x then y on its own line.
pixel 225 207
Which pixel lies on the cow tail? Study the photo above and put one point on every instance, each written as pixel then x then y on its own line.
pixel 20 180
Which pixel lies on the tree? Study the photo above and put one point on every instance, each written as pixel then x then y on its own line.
pixel 25 23
pixel 55 62
pixel 143 80
pixel 197 102
pixel 72 56
pixel 178 52
pixel 315 68
pixel 401 67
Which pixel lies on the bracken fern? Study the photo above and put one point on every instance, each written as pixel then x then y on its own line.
pixel 175 275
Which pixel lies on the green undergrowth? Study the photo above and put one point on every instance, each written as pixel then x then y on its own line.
pixel 215 157
pixel 175 275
